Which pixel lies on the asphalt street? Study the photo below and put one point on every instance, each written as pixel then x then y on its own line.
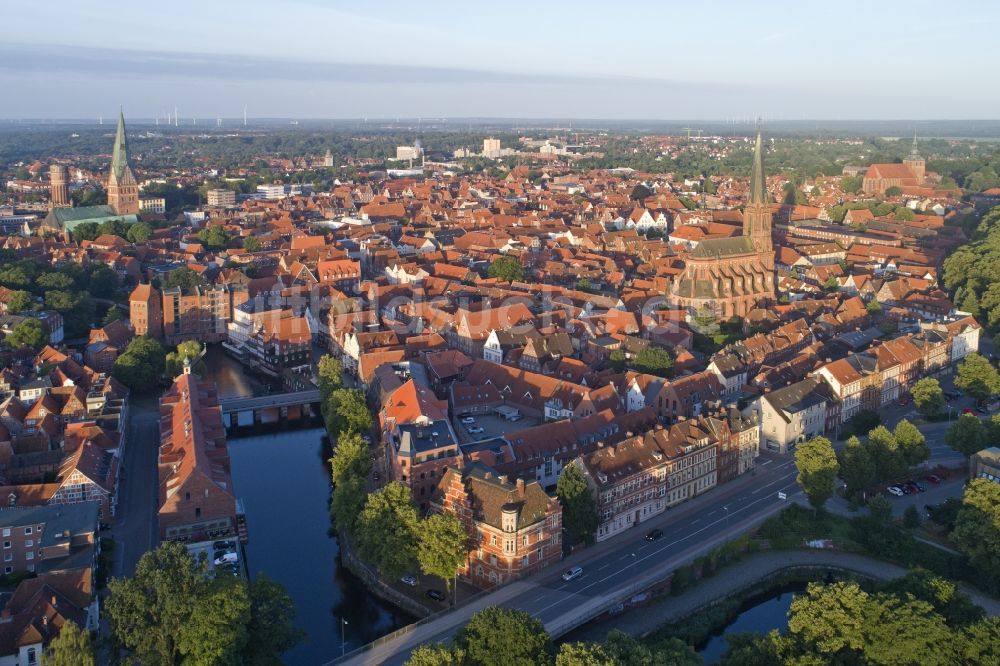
pixel 135 526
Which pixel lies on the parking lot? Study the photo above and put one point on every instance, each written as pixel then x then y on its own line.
pixel 493 425
pixel 207 550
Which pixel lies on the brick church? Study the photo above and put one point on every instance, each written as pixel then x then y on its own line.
pixel 732 276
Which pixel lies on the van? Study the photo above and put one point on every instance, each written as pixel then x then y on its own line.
pixel 573 573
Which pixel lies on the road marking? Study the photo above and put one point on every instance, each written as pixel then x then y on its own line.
pixel 604 567
pixel 695 522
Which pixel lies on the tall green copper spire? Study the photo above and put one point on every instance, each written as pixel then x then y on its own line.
pixel 119 156
pixel 758 183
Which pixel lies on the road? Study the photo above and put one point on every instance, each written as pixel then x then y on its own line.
pixel 690 530
pixel 135 526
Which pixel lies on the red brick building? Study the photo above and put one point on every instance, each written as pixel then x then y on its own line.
pixel 195 484
pixel 515 529
pixel 146 311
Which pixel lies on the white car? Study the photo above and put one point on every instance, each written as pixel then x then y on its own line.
pixel 409 580
pixel 226 558
pixel 895 490
pixel 475 430
pixel 468 420
pixel 573 573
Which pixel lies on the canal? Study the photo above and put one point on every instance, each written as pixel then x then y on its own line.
pixel 284 481
pixel 759 615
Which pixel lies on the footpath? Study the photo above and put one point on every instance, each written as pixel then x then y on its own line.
pixel 735 578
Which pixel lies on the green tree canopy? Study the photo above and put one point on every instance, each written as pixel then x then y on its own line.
pixel 387 530
pixel 72 647
pixel 351 458
pixel 966 435
pixel 183 277
pixel 928 397
pixel 214 237
pixel 139 233
pixel 141 365
pixel 347 502
pixel 346 410
pixel 20 301
pixel 653 360
pixel 977 527
pixel 502 637
pixel 508 269
pixel 817 468
pixel 330 372
pixel 977 377
pixel 442 546
pixel 189 350
pixel 856 467
pixel 113 314
pixel 911 443
pixel 579 506
pixel 29 333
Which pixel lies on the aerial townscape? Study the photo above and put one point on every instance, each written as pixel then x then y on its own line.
pixel 490 389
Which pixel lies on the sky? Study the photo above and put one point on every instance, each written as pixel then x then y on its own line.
pixel 562 60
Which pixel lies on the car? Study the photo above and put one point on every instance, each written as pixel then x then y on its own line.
pixel 653 535
pixel 903 402
pixel 409 580
pixel 225 558
pixel 982 410
pixel 475 430
pixel 933 478
pixel 968 410
pixel 468 420
pixel 376 476
pixel 895 490
pixel 572 574
pixel 908 490
pixel 223 545
pixel 949 394
pixel 515 418
pixel 436 595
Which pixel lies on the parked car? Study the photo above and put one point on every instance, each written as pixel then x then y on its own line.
pixel 515 418
pixel 573 573
pixel 916 486
pixel 376 476
pixel 225 558
pixel 903 402
pixel 468 420
pixel 653 535
pixel 933 478
pixel 475 430
pixel 949 394
pixel 895 490
pixel 436 595
pixel 409 580
pixel 223 545
pixel 968 410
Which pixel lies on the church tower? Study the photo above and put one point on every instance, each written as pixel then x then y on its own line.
pixel 123 190
pixel 916 162
pixel 757 213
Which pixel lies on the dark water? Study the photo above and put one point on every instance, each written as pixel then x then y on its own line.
pixel 760 615
pixel 284 483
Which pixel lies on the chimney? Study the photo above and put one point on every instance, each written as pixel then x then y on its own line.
pixel 502 478
pixel 55 602
pixel 520 486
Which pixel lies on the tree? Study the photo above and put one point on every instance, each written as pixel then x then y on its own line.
pixel 442 546
pixel 148 611
pixel 977 528
pixel 911 443
pixel 653 360
pixel 817 468
pixel 216 629
pixel 103 282
pixel 251 244
pixel 29 333
pixel 583 284
pixel 436 655
pixel 139 233
pixel 85 231
pixel 183 277
pixel 214 238
pixel 928 397
pixel 864 420
pixel 583 654
pixel 579 507
pixel 884 449
pixel 345 410
pixel 893 191
pixel 271 626
pixel 851 184
pixel 187 351
pixel 55 281
pixel 113 314
pixel 386 530
pixel 72 647
pixel 141 365
pixel 873 307
pixel 508 269
pixel 347 502
pixel 911 519
pixel 503 636
pixel 977 377
pixel 832 283
pixel 20 301
pixel 350 458
pixel 967 435
pixel 879 511
pixel 856 467
pixel 330 372
pixel 956 606
pixel 617 359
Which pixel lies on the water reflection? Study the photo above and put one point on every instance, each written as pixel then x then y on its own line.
pixel 760 615
pixel 229 375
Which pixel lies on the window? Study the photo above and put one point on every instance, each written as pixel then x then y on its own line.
pixel 6 544
pixel 493 539
pixel 32 656
pixel 6 531
pixel 197 512
pixel 8 570
pixel 8 557
pixel 27 531
pixel 28 543
pixel 30 555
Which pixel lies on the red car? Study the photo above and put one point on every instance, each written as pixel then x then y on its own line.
pixel 903 402
pixel 968 410
pixel 933 478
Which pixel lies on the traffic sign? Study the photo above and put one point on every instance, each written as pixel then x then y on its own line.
pixel 782 495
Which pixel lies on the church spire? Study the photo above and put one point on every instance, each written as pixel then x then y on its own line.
pixel 119 155
pixel 758 183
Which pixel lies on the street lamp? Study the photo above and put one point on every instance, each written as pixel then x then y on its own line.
pixel 635 561
pixel 727 515
pixel 343 642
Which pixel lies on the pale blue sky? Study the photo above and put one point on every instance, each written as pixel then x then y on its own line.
pixel 583 59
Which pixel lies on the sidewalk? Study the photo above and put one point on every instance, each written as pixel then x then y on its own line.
pixel 733 579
